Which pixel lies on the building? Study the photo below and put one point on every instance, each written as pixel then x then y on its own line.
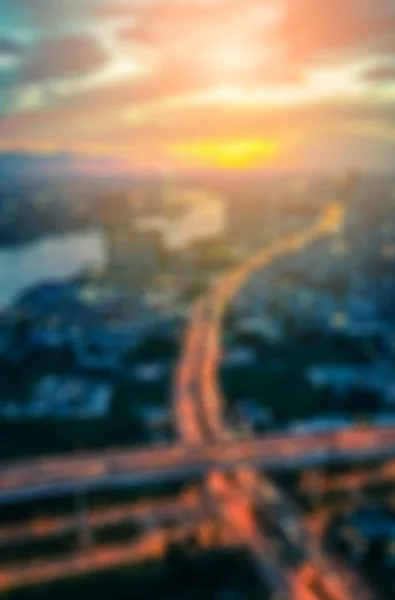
pixel 321 424
pixel 378 379
pixel 132 253
pixel 368 532
pixel 116 219
pixel 63 398
pixel 189 216
pixel 105 348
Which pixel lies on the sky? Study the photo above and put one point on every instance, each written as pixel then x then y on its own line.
pixel 194 84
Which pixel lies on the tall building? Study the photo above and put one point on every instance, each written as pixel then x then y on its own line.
pixel 116 219
pixel 131 254
pixel 349 183
pixel 168 191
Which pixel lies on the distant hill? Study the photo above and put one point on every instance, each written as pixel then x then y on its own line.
pixel 28 165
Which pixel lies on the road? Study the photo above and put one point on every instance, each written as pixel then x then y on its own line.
pixel 288 558
pixel 148 514
pixel 97 559
pixel 356 481
pixel 276 451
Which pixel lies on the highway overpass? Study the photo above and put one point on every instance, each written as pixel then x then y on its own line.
pixel 274 452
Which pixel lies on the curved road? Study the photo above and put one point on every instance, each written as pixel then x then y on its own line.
pixel 288 559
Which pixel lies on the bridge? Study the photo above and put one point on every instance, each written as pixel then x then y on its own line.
pixel 41 478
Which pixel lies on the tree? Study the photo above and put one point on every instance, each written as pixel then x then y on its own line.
pixel 156 347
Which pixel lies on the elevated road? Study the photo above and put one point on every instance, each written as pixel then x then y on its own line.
pixel 320 483
pixel 274 452
pixel 148 514
pixel 97 559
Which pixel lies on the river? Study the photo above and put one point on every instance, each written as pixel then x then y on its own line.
pixel 52 257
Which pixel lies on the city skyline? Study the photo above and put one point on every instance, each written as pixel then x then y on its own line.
pixel 201 83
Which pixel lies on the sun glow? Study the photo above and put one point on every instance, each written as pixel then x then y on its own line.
pixel 228 154
pixel 231 59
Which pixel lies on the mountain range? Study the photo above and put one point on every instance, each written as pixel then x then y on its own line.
pixel 23 165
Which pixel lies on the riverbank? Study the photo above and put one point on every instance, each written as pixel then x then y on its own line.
pixel 52 257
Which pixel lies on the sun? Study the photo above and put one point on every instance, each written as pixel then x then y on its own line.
pixel 240 153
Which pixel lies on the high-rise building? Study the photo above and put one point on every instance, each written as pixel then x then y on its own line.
pixel 116 219
pixel 131 253
pixel 174 203
pixel 168 191
pixel 349 183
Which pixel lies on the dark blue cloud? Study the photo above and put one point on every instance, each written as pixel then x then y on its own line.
pixel 42 13
pixel 10 47
pixel 61 57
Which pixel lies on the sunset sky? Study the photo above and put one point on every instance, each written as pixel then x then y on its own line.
pixel 201 83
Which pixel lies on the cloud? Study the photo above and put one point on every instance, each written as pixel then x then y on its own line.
pixel 380 73
pixel 99 119
pixel 44 13
pixel 61 57
pixel 132 32
pixel 304 32
pixel 10 47
pixel 315 30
